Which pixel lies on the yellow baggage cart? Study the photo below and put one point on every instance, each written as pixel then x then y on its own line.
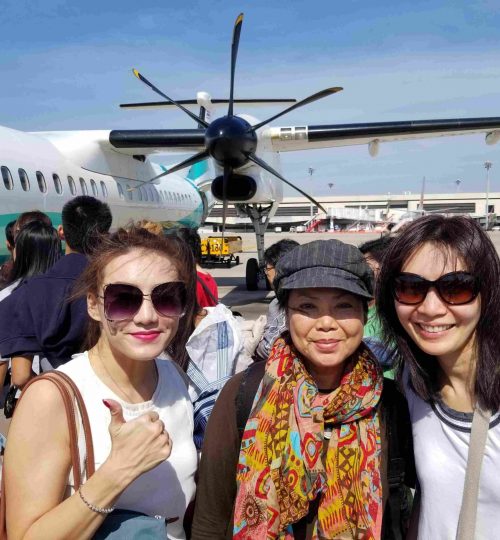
pixel 216 249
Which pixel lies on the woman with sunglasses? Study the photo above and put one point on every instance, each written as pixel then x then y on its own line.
pixel 138 288
pixel 439 301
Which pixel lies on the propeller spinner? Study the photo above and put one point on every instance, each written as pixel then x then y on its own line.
pixel 230 140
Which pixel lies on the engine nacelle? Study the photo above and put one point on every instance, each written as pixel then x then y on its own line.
pixel 240 188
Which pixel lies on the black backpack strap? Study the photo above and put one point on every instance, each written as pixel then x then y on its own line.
pixel 249 385
pixel 400 462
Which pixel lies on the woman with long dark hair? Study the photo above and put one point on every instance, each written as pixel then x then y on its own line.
pixel 37 248
pixel 439 302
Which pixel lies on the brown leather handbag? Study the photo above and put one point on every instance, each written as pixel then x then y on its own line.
pixel 73 402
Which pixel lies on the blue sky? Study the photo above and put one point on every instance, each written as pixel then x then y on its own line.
pixel 66 65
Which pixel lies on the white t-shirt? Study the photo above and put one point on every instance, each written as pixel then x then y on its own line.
pixel 441 444
pixel 167 489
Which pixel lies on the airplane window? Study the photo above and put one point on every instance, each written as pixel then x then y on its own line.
pixel 7 178
pixel 129 192
pixel 83 185
pixel 139 193
pixel 25 183
pixel 120 191
pixel 104 189
pixel 42 185
pixel 72 186
pixel 145 193
pixel 57 183
pixel 94 188
pixel 157 195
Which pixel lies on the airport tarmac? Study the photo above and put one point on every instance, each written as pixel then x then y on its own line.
pixel 251 304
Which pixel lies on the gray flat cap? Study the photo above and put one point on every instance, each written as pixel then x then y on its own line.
pixel 325 263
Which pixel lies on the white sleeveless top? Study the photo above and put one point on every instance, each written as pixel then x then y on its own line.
pixel 167 489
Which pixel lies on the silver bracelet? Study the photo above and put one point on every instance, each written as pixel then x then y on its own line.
pixel 96 509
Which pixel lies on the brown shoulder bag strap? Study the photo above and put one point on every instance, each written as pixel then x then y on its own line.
pixel 69 394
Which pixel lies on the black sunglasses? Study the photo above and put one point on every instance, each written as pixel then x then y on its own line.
pixel 123 301
pixel 455 288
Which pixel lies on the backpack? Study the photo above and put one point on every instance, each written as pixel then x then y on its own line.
pixel 400 463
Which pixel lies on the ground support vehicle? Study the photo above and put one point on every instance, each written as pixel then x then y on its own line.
pixel 219 250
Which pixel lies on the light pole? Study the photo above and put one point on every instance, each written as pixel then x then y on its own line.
pixel 487 166
pixel 310 171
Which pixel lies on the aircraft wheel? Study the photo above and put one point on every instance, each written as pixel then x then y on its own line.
pixel 237 260
pixel 252 275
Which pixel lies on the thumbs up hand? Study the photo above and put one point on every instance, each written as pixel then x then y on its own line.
pixel 139 445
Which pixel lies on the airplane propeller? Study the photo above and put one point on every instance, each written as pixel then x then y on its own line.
pixel 230 140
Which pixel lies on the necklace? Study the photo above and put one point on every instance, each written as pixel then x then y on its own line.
pixel 128 399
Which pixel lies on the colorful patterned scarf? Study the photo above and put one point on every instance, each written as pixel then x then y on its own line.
pixel 282 466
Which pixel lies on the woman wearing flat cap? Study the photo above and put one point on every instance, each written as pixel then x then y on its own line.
pixel 313 443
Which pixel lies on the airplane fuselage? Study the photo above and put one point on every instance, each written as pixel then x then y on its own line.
pixel 36 174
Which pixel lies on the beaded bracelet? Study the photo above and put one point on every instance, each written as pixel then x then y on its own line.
pixel 94 508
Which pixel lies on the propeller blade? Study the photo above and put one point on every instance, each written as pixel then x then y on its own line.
pixel 225 179
pixel 159 92
pixel 252 102
pixel 268 168
pixel 306 101
pixel 200 156
pixel 234 55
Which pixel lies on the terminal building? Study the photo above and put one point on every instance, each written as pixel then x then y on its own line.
pixel 364 211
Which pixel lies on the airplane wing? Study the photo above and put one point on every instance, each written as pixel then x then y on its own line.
pixel 284 139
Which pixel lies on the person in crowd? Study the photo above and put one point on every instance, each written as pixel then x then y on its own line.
pixel 217 345
pixel 28 217
pixel 151 226
pixel 6 268
pixel 140 414
pixel 11 232
pixel 374 251
pixel 207 293
pixel 37 249
pixel 276 323
pixel 297 447
pixel 42 320
pixel 439 303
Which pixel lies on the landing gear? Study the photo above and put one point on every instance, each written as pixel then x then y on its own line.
pixel 252 275
pixel 259 215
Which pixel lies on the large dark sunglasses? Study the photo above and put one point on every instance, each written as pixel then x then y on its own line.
pixel 123 301
pixel 455 288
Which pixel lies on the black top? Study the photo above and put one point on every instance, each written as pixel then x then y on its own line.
pixel 41 320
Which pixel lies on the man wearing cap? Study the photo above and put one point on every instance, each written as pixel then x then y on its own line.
pixel 306 432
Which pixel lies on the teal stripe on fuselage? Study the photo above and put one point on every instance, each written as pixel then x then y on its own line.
pixel 197 170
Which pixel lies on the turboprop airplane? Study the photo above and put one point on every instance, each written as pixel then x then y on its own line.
pixel 243 153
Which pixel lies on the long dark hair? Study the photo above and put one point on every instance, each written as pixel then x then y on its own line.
pixel 463 238
pixel 38 247
pixel 122 242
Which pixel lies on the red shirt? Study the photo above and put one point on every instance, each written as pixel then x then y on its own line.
pixel 205 299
